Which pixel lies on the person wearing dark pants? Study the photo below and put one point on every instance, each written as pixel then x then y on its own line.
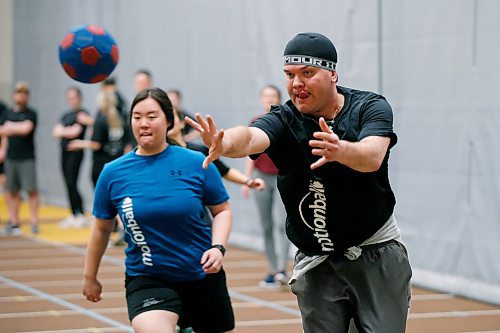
pixel 71 162
pixel 269 205
pixel 72 125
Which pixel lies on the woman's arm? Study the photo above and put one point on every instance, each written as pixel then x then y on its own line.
pixel 236 176
pixel 249 167
pixel 98 242
pixel 221 227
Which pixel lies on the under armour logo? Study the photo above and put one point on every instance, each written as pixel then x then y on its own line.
pixel 175 172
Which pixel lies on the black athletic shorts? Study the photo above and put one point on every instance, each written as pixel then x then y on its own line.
pixel 203 305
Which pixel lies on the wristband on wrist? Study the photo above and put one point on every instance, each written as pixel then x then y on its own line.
pixel 221 248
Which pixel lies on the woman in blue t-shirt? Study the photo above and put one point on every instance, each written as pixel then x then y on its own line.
pixel 174 258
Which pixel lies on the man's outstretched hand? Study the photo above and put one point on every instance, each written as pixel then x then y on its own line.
pixel 211 136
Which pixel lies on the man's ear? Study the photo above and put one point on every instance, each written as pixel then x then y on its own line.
pixel 335 78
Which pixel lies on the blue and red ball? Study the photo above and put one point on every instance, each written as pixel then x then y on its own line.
pixel 88 53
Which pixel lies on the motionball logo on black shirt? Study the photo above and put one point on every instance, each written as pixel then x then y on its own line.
pixel 135 232
pixel 312 210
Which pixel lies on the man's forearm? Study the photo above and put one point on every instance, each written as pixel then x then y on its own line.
pixel 23 128
pixel 242 141
pixel 364 156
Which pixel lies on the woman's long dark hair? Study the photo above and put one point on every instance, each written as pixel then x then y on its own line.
pixel 161 97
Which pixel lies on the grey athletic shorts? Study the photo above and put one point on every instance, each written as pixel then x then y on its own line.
pixel 21 175
pixel 373 290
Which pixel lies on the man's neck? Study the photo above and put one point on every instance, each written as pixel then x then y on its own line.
pixel 333 109
pixel 19 108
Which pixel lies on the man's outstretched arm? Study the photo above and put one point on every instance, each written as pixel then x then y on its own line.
pixel 235 142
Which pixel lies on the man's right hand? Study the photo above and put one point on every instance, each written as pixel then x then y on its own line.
pixel 211 136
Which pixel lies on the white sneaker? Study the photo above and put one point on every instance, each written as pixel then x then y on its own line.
pixel 68 222
pixel 79 221
pixel 282 278
pixel 13 230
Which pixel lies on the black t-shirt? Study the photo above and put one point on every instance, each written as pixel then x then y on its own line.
pixel 22 147
pixel 221 167
pixel 3 112
pixel 187 128
pixel 113 141
pixel 3 115
pixel 333 207
pixel 69 119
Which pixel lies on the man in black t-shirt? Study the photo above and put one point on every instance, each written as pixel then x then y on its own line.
pixel 331 145
pixel 3 147
pixel 20 168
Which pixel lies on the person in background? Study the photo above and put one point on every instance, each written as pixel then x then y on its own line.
pixel 110 136
pixel 3 150
pixel 72 125
pixel 20 163
pixel 331 145
pixel 188 132
pixel 174 260
pixel 121 103
pixel 269 202
pixel 143 79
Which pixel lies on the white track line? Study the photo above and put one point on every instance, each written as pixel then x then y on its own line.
pixel 9 263
pixel 68 283
pixel 61 302
pixel 480 332
pixel 58 271
pixel 454 314
pixel 58 313
pixel 270 305
pixel 431 297
pixel 31 298
pixel 84 330
pixel 268 322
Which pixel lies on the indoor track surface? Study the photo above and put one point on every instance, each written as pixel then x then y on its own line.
pixel 41 278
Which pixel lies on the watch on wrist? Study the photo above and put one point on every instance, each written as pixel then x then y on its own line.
pixel 221 248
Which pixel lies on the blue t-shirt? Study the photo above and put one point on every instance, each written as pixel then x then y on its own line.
pixel 160 200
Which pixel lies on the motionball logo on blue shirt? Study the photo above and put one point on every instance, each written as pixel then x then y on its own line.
pixel 134 231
